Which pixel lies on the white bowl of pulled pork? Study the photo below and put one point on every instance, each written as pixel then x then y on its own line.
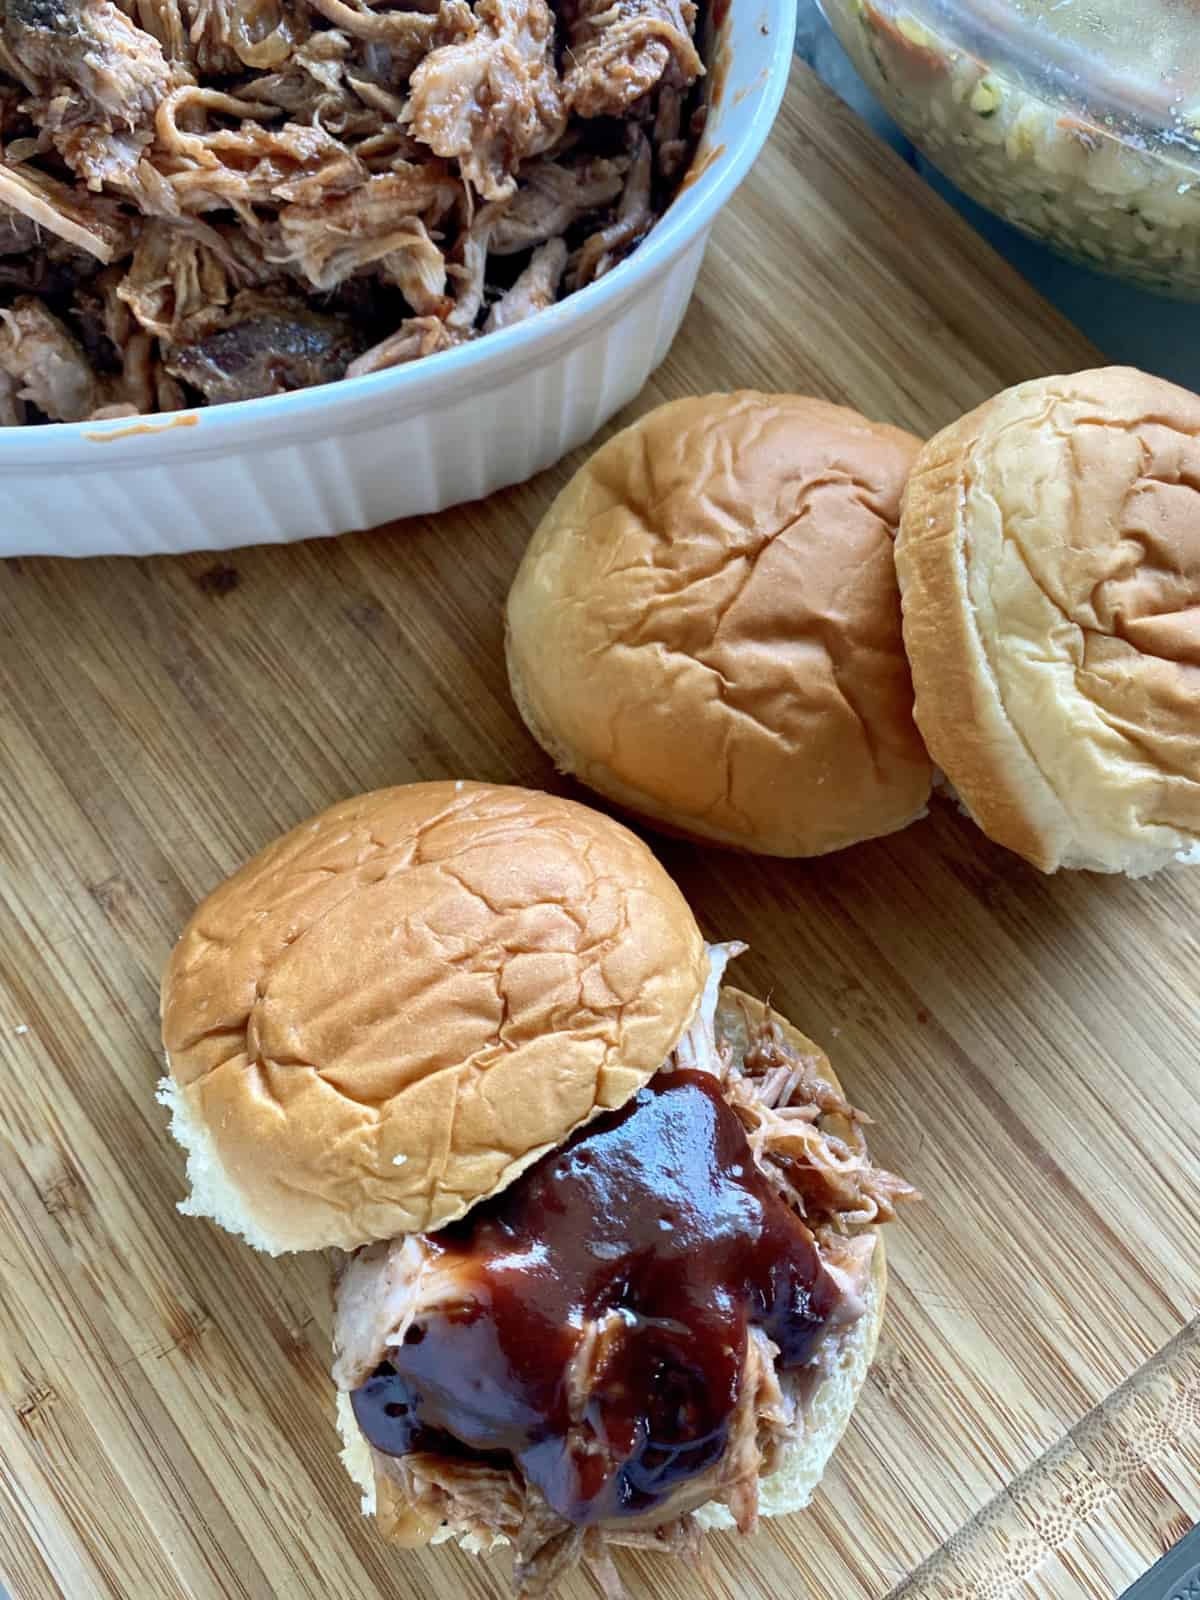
pixel 605 1232
pixel 276 269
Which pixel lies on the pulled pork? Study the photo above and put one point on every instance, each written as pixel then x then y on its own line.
pixel 494 98
pixel 284 192
pixel 620 49
pixel 809 1142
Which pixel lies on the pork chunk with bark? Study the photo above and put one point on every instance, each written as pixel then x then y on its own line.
pixel 613 1266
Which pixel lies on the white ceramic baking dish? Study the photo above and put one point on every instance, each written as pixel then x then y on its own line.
pixel 451 428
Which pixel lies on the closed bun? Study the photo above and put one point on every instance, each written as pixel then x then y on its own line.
pixel 706 625
pixel 1049 561
pixel 396 1008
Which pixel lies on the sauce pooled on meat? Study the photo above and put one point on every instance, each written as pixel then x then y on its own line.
pixel 601 1341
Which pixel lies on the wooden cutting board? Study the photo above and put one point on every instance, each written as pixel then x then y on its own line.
pixel 1026 1044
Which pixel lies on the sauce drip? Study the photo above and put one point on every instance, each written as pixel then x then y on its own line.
pixel 601 1337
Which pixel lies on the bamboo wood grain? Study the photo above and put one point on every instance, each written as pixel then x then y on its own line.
pixel 1026 1045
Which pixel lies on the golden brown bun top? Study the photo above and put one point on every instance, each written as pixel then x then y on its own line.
pixel 706 625
pixel 1050 566
pixel 397 1007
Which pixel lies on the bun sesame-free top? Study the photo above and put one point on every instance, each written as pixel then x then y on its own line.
pixel 401 1004
pixel 706 625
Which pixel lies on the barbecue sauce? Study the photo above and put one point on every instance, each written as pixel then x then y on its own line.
pixel 653 1222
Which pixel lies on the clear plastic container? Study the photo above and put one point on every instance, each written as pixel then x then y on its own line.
pixel 1076 120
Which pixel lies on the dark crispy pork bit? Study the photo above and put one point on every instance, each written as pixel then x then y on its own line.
pixel 12 117
pixel 265 345
pixel 29 266
pixel 93 326
pixel 17 233
pixel 94 47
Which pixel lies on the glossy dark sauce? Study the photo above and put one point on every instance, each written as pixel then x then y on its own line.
pixel 656 1211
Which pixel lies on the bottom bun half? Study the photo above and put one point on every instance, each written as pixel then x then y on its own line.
pixel 827 1402
pixel 828 1407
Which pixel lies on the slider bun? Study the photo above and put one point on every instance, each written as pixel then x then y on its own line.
pixel 706 625
pixel 1049 561
pixel 794 1481
pixel 400 1005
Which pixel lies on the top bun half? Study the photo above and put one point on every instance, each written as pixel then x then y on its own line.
pixel 1049 561
pixel 396 1008
pixel 706 625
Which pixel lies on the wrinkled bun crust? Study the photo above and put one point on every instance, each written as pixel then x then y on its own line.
pixel 792 1485
pixel 401 1004
pixel 706 625
pixel 1049 560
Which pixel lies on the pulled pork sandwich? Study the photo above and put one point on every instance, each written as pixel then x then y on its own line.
pixel 213 200
pixel 608 1265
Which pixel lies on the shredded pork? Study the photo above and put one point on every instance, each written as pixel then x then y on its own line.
pixel 356 185
pixel 534 290
pixel 620 49
pixel 492 99
pixel 808 1140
